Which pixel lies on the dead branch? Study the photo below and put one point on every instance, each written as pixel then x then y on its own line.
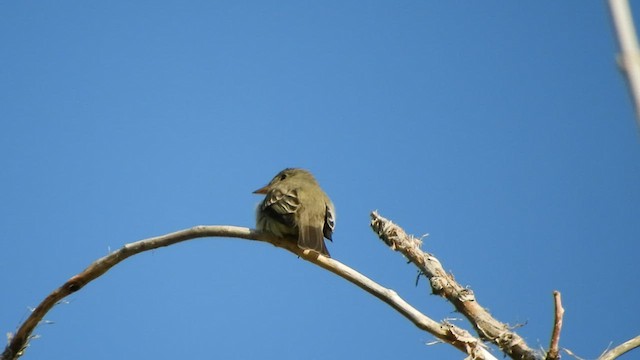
pixel 629 58
pixel 444 284
pixel 621 349
pixel 554 353
pixel 446 332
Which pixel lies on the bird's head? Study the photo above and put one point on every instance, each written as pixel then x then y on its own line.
pixel 289 175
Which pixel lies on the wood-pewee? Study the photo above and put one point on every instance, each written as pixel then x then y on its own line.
pixel 296 207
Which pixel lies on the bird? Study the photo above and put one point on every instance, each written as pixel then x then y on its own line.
pixel 296 207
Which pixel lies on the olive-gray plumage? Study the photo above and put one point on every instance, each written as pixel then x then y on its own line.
pixel 296 207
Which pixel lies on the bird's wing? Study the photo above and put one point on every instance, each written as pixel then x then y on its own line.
pixel 329 222
pixel 282 206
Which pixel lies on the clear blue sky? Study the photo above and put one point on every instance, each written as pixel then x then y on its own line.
pixel 502 129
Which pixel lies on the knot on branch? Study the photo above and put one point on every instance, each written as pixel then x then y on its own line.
pixel 74 284
pixel 472 346
pixel 506 339
pixel 438 284
pixel 466 294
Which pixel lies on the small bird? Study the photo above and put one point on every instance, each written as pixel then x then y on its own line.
pixel 296 207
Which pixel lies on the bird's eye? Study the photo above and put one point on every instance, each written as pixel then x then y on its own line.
pixel 283 176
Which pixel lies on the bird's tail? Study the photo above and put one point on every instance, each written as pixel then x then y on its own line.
pixel 311 237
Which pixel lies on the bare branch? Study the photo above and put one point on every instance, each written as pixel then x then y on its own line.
pixel 621 349
pixel 449 333
pixel 554 353
pixel 444 284
pixel 629 58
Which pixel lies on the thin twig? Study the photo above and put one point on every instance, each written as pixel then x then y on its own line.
pixel 554 353
pixel 444 284
pixel 572 354
pixel 621 349
pixel 449 333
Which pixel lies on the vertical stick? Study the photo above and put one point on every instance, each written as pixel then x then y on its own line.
pixel 554 352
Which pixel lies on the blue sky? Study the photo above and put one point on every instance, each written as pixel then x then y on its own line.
pixel 502 129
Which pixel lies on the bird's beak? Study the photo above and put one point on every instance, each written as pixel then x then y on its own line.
pixel 262 190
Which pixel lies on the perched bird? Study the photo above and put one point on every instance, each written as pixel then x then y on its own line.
pixel 296 207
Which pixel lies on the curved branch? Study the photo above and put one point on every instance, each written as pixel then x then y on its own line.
pixel 449 333
pixel 444 284
pixel 621 349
